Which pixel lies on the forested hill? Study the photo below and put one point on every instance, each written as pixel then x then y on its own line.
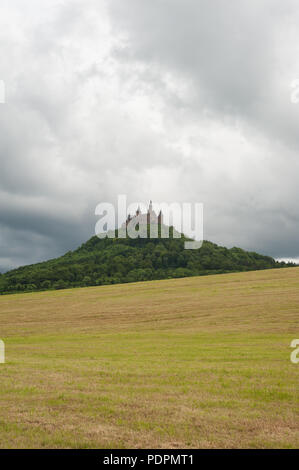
pixel 118 260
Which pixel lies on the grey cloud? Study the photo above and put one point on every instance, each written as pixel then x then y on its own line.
pixel 170 100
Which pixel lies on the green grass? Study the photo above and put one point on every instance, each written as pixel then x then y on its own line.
pixel 194 362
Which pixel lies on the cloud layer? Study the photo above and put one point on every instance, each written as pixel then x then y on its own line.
pixel 171 100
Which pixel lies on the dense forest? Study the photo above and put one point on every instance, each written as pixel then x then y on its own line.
pixel 112 261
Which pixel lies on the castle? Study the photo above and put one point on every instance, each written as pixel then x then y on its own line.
pixel 145 219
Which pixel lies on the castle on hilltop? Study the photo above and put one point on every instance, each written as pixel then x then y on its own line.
pixel 145 219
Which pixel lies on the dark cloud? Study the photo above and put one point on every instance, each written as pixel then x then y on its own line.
pixel 171 100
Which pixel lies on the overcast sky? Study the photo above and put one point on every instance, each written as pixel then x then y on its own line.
pixel 170 100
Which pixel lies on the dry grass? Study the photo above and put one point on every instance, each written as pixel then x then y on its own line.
pixel 196 362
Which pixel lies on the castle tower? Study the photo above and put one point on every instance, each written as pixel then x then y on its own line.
pixel 150 217
pixel 128 219
pixel 160 218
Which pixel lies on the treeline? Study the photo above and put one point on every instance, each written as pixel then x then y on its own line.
pixel 113 261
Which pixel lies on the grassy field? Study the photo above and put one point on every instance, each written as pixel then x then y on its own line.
pixel 194 362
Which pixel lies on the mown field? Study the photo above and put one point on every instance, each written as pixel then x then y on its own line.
pixel 194 362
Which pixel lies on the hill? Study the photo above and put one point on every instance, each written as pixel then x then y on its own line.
pixel 178 363
pixel 119 260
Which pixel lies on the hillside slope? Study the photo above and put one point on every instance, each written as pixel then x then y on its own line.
pixel 114 261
